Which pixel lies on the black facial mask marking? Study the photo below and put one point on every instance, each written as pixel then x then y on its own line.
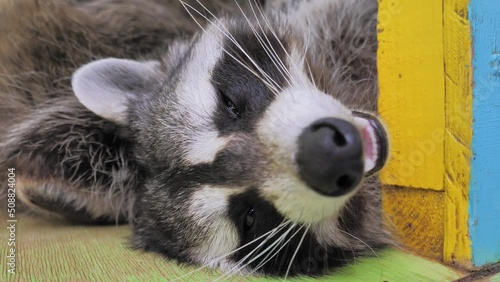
pixel 236 84
pixel 311 258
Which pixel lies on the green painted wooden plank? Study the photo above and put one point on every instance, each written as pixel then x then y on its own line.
pixel 49 251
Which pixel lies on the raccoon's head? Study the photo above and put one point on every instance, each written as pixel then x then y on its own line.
pixel 248 165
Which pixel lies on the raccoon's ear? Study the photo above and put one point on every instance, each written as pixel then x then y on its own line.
pixel 107 87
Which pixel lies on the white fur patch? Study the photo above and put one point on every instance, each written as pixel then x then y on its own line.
pixel 296 108
pixel 209 209
pixel 298 202
pixel 197 100
pixel 328 233
pixel 204 147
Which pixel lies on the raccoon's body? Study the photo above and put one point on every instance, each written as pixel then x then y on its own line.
pixel 212 141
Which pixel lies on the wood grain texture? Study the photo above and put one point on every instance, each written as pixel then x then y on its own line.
pixel 484 204
pixel 458 134
pixel 484 192
pixel 49 251
pixel 410 66
pixel 417 216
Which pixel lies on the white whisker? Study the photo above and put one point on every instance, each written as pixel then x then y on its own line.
pixel 229 36
pixel 276 229
pixel 270 252
pixel 277 252
pixel 271 29
pixel 363 242
pixel 232 271
pixel 297 250
pixel 347 207
pixel 274 55
pixel 307 44
pixel 268 84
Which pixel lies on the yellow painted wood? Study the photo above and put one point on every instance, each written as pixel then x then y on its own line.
pixel 458 134
pixel 426 101
pixel 417 217
pixel 412 98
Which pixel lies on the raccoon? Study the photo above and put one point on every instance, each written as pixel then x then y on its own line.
pixel 234 135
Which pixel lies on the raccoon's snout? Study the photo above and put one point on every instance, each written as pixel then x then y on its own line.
pixel 330 156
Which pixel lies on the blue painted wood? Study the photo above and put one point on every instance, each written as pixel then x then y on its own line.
pixel 484 193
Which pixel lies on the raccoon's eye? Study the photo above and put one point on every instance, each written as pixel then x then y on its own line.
pixel 249 219
pixel 229 104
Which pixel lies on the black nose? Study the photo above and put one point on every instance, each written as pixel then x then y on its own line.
pixel 330 156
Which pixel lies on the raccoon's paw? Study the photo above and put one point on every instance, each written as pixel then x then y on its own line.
pixel 60 201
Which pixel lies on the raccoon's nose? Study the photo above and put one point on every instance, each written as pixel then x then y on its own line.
pixel 330 156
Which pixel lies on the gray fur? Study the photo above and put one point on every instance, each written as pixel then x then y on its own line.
pixel 68 157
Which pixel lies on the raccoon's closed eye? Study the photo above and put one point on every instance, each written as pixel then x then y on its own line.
pixel 249 219
pixel 229 104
